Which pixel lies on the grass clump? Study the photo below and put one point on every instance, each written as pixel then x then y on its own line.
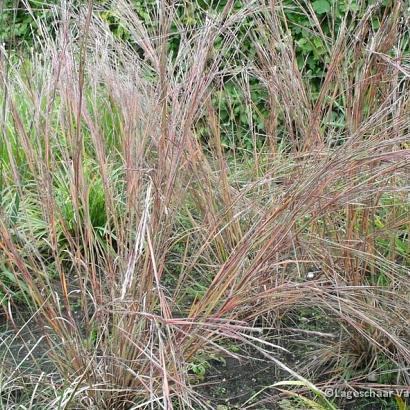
pixel 142 249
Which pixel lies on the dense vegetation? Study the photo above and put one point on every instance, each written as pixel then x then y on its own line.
pixel 184 182
pixel 19 27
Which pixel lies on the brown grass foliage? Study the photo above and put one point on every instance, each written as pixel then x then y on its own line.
pixel 139 246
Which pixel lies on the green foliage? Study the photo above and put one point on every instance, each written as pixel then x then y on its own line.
pixel 393 245
pixel 321 6
pixel 242 117
pixel 311 51
pixel 11 288
pixel 201 364
pixel 19 20
pixel 199 368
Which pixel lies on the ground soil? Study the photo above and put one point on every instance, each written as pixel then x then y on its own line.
pixel 228 384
